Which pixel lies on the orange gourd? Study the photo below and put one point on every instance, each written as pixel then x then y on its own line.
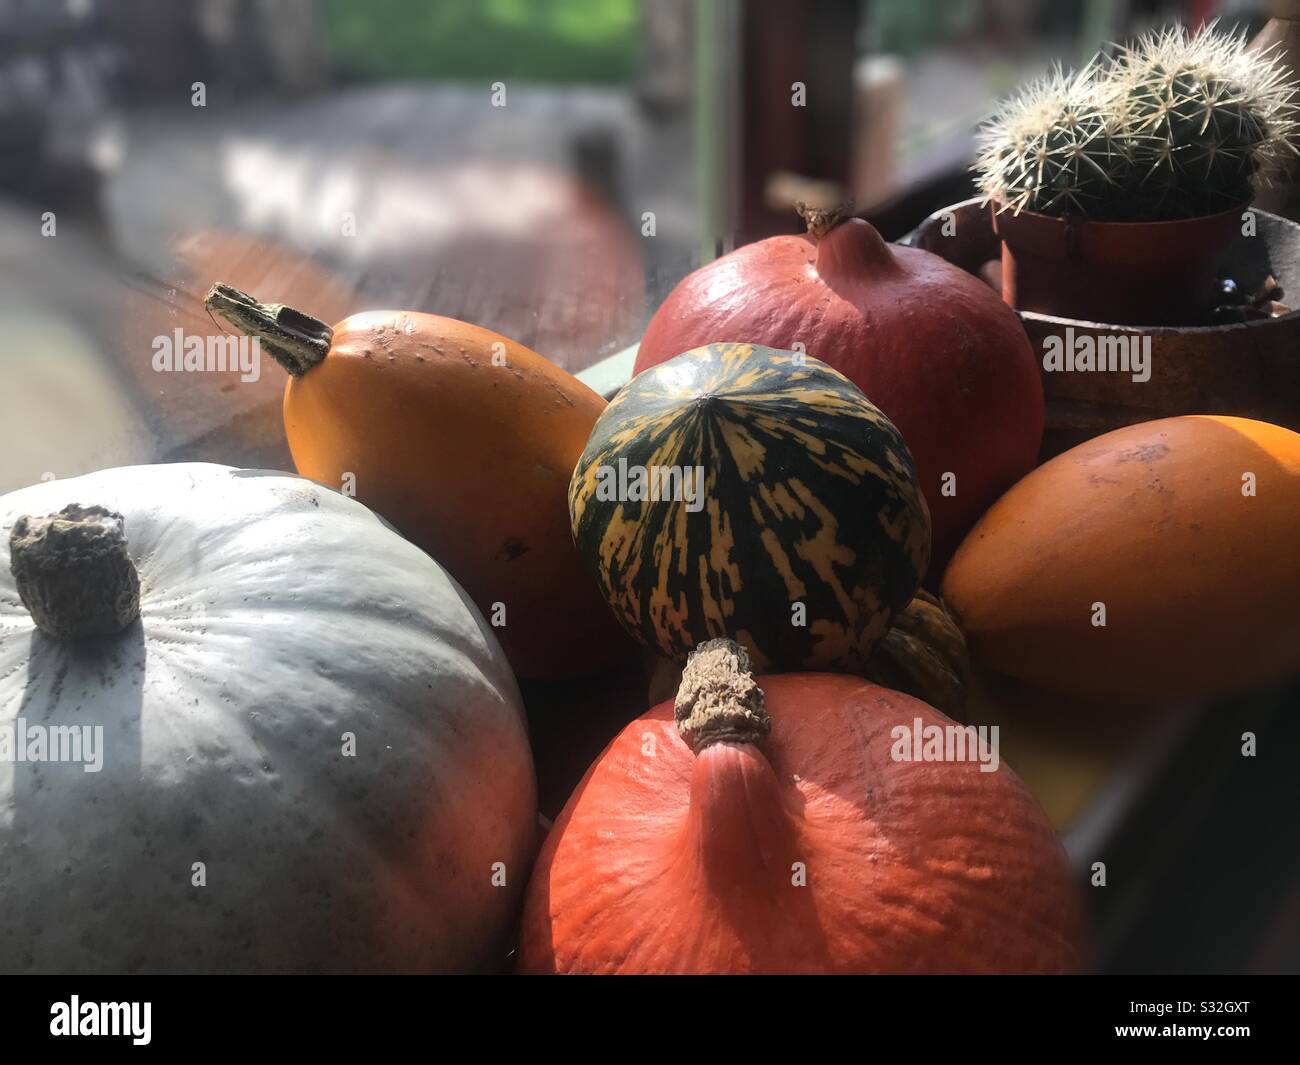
pixel 465 442
pixel 1184 530
pixel 766 827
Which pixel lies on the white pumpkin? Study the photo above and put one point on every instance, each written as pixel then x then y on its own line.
pixel 314 756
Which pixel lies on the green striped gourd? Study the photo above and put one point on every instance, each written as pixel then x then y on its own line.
pixel 803 536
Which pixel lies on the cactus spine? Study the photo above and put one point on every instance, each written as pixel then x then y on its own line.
pixel 1177 125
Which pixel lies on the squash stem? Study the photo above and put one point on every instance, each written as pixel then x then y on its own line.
pixel 821 220
pixel 295 340
pixel 73 572
pixel 719 701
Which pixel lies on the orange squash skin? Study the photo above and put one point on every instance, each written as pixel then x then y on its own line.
pixel 469 460
pixel 667 862
pixel 1201 583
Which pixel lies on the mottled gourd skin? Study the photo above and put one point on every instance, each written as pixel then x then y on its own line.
pixel 275 616
pixel 809 496
pixel 932 346
pixel 924 654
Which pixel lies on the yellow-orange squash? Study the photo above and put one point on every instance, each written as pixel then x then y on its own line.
pixel 465 441
pixel 1181 535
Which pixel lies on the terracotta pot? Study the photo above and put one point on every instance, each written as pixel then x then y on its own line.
pixel 1248 369
pixel 1135 273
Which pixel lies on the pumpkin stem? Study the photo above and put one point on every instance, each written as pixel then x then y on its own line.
pixel 821 220
pixel 719 701
pixel 73 573
pixel 295 340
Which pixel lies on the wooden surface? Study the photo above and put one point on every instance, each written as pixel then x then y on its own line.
pixel 527 220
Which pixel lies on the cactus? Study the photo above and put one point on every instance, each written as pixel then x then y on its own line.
pixel 1176 126
pixel 1053 149
pixel 1211 117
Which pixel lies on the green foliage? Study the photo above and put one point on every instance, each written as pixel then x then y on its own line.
pixel 1177 126
pixel 529 40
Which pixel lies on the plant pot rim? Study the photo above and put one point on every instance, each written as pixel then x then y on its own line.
pixel 1003 212
pixel 1182 250
pixel 974 212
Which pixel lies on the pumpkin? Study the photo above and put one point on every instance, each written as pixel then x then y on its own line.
pixel 465 441
pixel 766 826
pixel 312 753
pixel 930 345
pixel 924 654
pixel 1156 561
pixel 795 526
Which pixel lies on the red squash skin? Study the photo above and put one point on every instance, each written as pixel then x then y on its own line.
pixel 930 345
pixel 675 863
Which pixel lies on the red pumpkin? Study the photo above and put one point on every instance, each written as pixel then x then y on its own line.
pixel 791 840
pixel 930 345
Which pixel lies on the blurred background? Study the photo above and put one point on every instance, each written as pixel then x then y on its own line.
pixel 550 169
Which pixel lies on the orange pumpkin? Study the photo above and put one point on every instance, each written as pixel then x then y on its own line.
pixel 769 828
pixel 1180 535
pixel 465 441
pixel 923 654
